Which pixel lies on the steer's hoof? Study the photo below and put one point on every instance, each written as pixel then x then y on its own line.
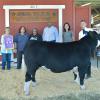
pixel 82 87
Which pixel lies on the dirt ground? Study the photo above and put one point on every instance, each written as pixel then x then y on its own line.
pixel 48 84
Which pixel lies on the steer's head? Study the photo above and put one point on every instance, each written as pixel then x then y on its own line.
pixel 95 37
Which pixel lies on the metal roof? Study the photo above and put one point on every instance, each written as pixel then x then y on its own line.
pixel 95 8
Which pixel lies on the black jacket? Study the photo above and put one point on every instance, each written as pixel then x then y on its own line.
pixel 35 37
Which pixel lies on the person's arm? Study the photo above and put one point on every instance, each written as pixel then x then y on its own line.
pixel 15 40
pixel 56 34
pixel 41 38
pixel 63 37
pixel 72 35
pixel 81 35
pixel 15 45
pixel 2 39
pixel 2 43
pixel 88 29
pixel 43 35
pixel 30 36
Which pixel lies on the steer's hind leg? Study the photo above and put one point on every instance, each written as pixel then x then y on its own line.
pixel 76 75
pixel 35 68
pixel 82 76
pixel 27 83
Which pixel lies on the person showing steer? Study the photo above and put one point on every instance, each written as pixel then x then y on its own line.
pixel 84 31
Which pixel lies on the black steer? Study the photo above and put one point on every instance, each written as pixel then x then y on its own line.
pixel 59 57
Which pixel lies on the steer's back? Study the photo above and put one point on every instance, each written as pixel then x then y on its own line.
pixel 56 56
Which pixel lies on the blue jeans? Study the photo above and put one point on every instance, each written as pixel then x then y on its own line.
pixel 6 58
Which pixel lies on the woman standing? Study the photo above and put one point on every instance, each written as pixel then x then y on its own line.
pixel 67 34
pixel 20 40
pixel 35 35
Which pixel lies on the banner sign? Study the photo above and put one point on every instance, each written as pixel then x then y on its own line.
pixel 34 16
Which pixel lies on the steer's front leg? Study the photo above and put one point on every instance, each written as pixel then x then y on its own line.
pixel 27 83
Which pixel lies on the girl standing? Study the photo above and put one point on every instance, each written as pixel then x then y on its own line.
pixel 6 48
pixel 35 35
